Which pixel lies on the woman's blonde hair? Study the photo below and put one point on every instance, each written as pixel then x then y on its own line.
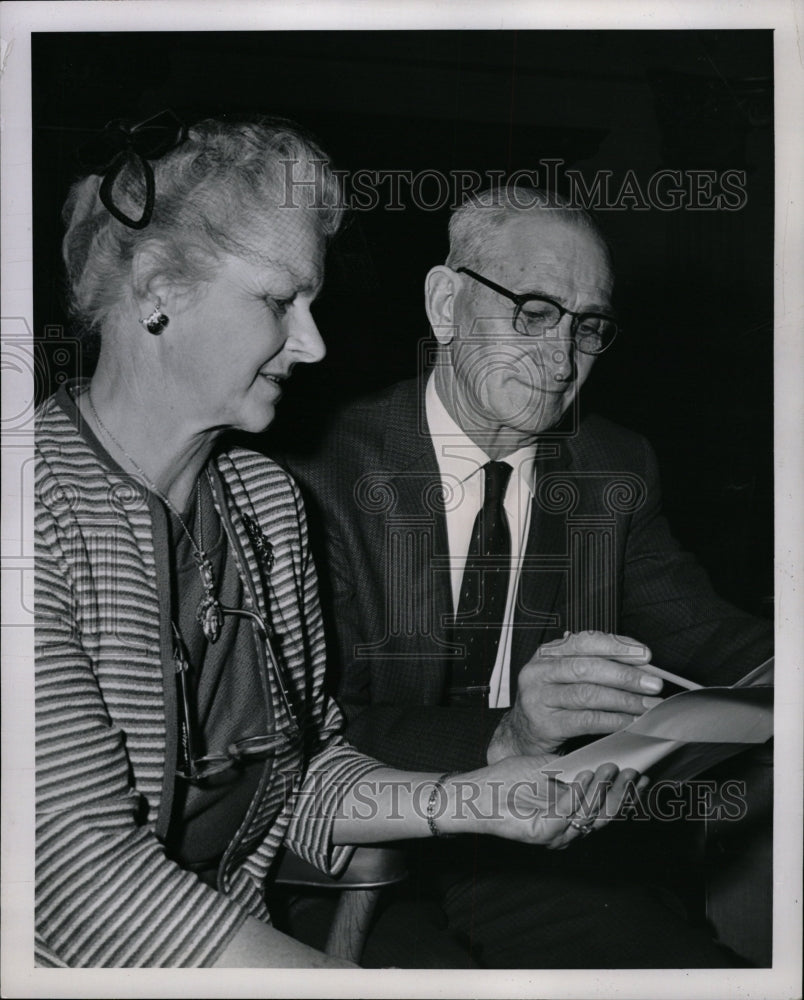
pixel 212 191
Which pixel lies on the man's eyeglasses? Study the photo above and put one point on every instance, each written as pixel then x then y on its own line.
pixel 592 332
pixel 238 752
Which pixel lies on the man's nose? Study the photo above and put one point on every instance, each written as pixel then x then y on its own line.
pixel 305 339
pixel 560 350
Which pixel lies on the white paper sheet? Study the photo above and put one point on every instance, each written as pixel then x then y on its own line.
pixel 681 737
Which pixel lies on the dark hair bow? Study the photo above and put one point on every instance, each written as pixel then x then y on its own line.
pixel 119 144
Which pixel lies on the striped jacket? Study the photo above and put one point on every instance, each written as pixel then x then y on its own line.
pixel 106 894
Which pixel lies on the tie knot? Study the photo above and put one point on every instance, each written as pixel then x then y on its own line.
pixel 497 476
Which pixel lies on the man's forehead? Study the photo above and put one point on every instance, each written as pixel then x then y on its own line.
pixel 552 229
pixel 546 243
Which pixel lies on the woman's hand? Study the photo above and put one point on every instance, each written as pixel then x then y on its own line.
pixel 518 800
pixel 515 798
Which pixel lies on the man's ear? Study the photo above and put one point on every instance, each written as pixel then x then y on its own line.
pixel 440 288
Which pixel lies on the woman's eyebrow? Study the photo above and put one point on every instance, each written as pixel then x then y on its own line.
pixel 285 282
pixel 311 283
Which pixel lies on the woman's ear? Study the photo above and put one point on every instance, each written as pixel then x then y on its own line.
pixel 440 288
pixel 148 283
pixel 151 286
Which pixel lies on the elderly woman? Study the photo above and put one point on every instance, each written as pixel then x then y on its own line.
pixel 183 730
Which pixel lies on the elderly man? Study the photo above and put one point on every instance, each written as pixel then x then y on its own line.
pixel 496 572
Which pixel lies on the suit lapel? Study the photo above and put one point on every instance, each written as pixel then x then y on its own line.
pixel 541 598
pixel 418 513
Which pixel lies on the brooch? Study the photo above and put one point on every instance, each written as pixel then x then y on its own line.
pixel 262 545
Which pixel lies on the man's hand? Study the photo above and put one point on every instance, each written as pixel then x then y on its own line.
pixel 586 683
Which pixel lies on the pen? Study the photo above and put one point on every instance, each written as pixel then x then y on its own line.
pixel 666 675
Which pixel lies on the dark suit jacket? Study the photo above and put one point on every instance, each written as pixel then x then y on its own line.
pixel 599 555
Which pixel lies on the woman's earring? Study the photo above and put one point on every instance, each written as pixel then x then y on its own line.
pixel 157 321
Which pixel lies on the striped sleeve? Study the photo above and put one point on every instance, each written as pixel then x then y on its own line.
pixel 106 894
pixel 337 766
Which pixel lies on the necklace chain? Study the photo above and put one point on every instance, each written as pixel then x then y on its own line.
pixel 209 613
pixel 151 485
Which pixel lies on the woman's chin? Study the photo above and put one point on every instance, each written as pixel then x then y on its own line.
pixel 257 419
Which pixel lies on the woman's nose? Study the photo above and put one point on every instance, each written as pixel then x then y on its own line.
pixel 306 340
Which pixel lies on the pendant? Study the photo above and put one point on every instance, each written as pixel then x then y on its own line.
pixel 210 617
pixel 208 614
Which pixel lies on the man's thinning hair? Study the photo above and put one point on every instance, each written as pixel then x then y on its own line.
pixel 474 228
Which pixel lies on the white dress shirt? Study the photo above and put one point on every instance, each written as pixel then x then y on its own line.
pixel 460 462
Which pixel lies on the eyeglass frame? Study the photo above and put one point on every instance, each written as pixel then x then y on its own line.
pixel 521 300
pixel 237 750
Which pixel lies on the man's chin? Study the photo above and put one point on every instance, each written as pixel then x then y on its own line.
pixel 536 419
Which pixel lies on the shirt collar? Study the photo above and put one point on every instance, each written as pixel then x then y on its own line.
pixel 457 454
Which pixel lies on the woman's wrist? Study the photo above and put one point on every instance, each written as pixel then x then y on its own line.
pixel 463 803
pixel 438 805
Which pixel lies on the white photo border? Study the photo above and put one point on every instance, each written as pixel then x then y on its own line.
pixel 17 22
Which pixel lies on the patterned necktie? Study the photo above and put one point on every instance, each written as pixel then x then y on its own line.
pixel 484 590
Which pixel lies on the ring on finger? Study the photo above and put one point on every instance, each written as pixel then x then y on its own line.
pixel 583 828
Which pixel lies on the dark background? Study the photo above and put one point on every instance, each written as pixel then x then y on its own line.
pixel 693 370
